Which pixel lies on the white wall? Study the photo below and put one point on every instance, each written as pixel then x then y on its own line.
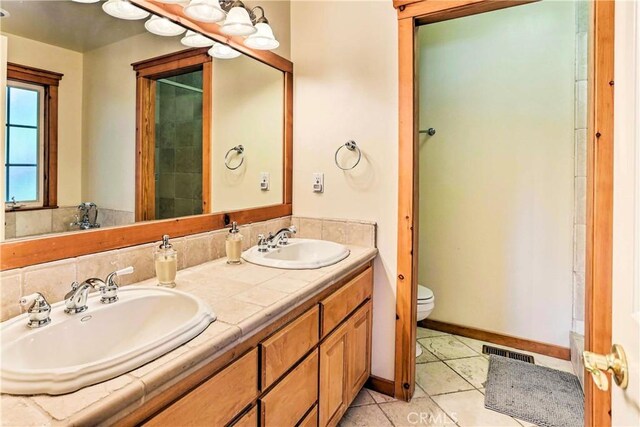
pixel 345 86
pixel 496 181
pixel 248 109
pixel 53 58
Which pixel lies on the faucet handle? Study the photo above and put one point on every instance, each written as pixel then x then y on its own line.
pixel 262 243
pixel 39 309
pixel 109 292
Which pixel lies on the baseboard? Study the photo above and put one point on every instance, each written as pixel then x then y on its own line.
pixel 380 385
pixel 500 339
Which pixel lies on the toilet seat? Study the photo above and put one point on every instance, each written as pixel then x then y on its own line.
pixel 425 295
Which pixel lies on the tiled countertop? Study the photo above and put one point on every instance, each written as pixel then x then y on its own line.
pixel 245 297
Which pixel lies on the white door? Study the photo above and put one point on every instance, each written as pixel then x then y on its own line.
pixel 626 202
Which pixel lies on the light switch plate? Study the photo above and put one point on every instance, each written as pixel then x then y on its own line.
pixel 264 181
pixel 318 182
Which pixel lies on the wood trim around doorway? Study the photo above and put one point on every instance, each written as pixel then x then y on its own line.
pixel 599 240
pixel 599 188
pixel 147 74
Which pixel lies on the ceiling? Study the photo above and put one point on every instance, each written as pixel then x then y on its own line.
pixel 76 26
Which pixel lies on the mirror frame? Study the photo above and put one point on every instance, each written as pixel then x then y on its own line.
pixel 38 250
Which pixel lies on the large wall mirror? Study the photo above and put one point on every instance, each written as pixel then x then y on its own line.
pixel 109 125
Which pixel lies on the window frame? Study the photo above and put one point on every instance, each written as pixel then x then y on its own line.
pixel 50 82
pixel 39 202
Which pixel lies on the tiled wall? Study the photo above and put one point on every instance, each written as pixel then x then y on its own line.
pixel 44 221
pixel 54 279
pixel 580 185
pixel 179 147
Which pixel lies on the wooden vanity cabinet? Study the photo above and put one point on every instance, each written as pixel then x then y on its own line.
pixel 303 372
pixel 345 365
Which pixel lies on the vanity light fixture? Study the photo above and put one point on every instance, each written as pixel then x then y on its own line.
pixel 123 9
pixel 222 51
pixel 193 39
pixel 263 38
pixel 163 27
pixel 238 22
pixel 205 11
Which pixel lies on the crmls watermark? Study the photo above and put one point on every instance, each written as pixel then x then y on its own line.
pixel 428 419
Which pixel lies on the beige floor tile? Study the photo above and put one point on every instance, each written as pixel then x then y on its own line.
pixel 363 398
pixel 467 409
pixel 447 347
pixel 475 345
pixel 437 378
pixel 472 369
pixel 365 416
pixel 428 333
pixel 418 412
pixel 380 398
pixel 426 356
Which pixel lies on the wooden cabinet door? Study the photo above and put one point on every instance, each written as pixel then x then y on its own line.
pixel 359 350
pixel 334 355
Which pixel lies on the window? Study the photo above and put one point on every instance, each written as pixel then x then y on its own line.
pixel 24 150
pixel 31 137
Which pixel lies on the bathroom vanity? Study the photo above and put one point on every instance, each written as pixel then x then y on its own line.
pixel 289 347
pixel 303 369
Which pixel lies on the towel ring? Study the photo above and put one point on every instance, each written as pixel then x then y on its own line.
pixel 351 146
pixel 239 150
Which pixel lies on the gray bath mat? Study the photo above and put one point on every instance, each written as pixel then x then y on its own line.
pixel 533 393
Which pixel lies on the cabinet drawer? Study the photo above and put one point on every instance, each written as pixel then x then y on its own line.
pixel 337 307
pixel 292 397
pixel 311 419
pixel 283 349
pixel 218 400
pixel 250 419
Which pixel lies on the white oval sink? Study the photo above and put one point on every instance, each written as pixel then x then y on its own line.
pixel 299 254
pixel 105 341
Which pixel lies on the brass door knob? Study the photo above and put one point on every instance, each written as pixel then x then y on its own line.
pixel 614 362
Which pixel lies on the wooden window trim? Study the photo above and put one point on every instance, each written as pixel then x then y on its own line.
pixel 412 13
pixel 22 253
pixel 50 81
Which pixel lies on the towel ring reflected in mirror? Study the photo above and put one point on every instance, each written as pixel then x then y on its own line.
pixel 351 146
pixel 239 150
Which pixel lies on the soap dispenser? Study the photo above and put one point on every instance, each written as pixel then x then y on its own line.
pixel 233 245
pixel 166 261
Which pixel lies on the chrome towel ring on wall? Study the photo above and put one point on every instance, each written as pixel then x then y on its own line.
pixel 239 150
pixel 351 146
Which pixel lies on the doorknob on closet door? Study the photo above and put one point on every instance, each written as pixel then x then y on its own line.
pixel 614 362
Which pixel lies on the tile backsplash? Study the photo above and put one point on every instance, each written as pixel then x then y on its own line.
pixel 54 279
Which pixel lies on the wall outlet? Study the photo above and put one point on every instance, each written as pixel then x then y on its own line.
pixel 318 182
pixel 264 181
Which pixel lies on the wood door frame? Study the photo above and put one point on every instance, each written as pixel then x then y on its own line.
pixel 412 13
pixel 147 74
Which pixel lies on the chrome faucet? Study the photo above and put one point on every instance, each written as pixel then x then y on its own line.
pixel 39 309
pixel 87 216
pixel 76 299
pixel 281 237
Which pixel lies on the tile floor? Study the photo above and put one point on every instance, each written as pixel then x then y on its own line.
pixel 450 376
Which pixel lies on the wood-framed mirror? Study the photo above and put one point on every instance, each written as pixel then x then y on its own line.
pixel 165 138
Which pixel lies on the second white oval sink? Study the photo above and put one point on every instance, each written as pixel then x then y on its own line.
pixel 299 254
pixel 105 341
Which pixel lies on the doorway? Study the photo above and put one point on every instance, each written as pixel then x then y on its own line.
pixel 173 135
pixel 412 14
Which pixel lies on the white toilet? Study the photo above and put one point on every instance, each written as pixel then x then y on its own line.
pixel 426 302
